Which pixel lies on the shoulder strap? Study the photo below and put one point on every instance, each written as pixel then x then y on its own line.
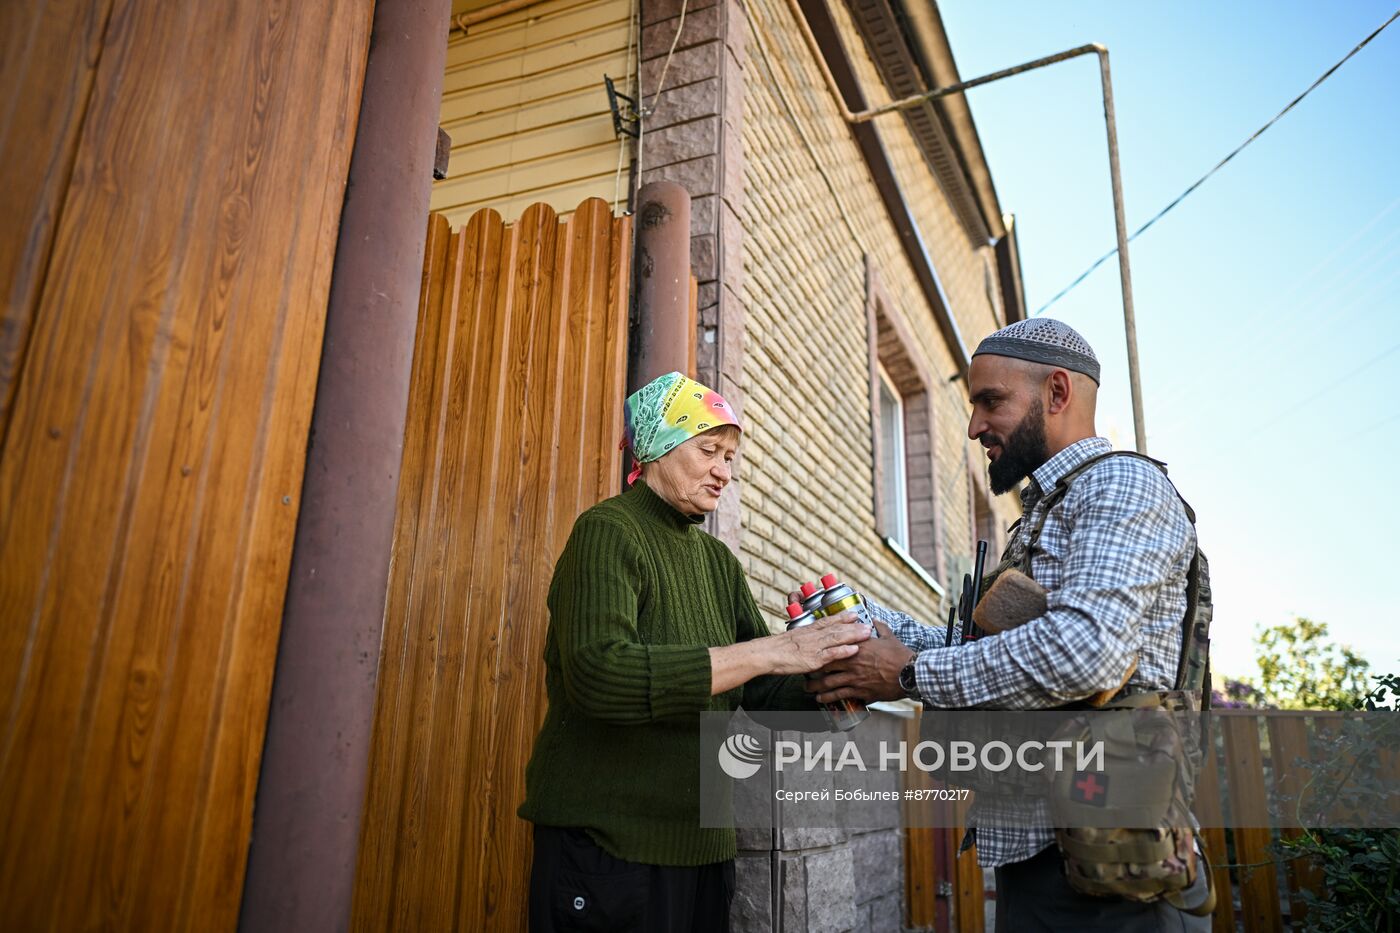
pixel 1054 495
pixel 1193 665
pixel 1062 487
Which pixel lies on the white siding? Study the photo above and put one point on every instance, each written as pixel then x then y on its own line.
pixel 524 102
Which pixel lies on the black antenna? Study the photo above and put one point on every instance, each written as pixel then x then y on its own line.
pixel 975 592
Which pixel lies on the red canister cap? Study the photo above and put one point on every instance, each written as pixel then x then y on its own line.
pixel 794 610
pixel 829 580
pixel 808 589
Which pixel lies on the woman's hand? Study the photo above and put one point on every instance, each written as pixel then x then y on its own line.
pixel 812 647
pixel 798 651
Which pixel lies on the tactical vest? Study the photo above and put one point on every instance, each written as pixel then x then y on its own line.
pixel 1193 667
pixel 1138 864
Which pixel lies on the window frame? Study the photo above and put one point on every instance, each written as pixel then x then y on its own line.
pixel 896 525
pixel 896 361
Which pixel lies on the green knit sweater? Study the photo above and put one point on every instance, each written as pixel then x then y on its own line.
pixel 638 597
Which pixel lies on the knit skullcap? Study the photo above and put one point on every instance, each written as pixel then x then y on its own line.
pixel 1044 340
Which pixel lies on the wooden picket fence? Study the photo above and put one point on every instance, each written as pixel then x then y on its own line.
pixel 1256 890
pixel 514 413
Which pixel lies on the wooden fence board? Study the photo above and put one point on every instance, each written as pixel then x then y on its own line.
pixel 514 416
pixel 1249 816
pixel 151 468
pixel 1288 740
pixel 1209 812
pixel 969 894
pixel 48 59
pixel 1245 771
pixel 920 839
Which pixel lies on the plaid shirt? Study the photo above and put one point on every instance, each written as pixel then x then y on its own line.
pixel 1113 555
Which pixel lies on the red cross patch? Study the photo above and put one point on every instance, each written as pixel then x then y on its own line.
pixel 1089 788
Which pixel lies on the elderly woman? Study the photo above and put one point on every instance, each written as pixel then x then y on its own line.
pixel 651 622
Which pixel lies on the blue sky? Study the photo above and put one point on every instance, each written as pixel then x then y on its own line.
pixel 1268 303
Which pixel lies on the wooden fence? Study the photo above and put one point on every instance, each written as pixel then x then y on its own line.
pixel 515 412
pixel 1256 891
pixel 174 175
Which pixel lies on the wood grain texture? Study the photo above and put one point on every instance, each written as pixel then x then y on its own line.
pixel 920 843
pixel 1288 742
pixel 1243 764
pixel 969 888
pixel 150 474
pixel 514 416
pixel 48 56
pixel 1249 817
pixel 1209 810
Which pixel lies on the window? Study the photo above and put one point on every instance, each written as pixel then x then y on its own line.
pixel 894 496
pixel 906 506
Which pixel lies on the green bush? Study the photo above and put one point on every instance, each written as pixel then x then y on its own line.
pixel 1360 867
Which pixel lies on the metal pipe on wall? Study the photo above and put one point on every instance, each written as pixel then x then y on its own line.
pixel 464 21
pixel 301 864
pixel 1115 175
pixel 664 336
pixel 1125 275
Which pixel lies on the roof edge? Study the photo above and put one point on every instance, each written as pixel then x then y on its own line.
pixel 1013 291
pixel 930 47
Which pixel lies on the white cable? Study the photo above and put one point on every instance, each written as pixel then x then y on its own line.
pixel 1338 304
pixel 634 25
pixel 665 66
pixel 1219 165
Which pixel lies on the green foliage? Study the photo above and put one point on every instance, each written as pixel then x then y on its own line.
pixel 1360 867
pixel 1300 669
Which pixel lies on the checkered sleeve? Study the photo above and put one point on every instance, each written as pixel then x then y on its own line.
pixel 915 635
pixel 1124 533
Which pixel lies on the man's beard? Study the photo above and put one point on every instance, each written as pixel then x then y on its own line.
pixel 1021 454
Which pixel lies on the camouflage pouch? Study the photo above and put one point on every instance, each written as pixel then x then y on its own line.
pixel 1147 784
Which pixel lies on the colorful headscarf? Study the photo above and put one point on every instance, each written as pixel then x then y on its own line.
pixel 667 412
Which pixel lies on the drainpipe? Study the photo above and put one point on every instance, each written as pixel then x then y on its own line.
pixel 306 819
pixel 463 22
pixel 663 338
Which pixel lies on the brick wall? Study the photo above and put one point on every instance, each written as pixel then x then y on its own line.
pixel 693 138
pixel 807 497
pixel 786 220
pixel 810 223
pixel 847 875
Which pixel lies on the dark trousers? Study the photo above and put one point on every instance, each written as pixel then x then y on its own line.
pixel 1034 896
pixel 575 885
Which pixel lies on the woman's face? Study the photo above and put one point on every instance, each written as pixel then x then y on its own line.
pixel 692 476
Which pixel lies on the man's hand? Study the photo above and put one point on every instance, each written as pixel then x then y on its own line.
pixel 871 674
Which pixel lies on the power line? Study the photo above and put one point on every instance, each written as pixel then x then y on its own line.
pixel 1187 401
pixel 1303 300
pixel 1339 307
pixel 1391 420
pixel 1325 389
pixel 1218 166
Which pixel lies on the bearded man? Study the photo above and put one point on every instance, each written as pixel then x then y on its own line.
pixel 1113 553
